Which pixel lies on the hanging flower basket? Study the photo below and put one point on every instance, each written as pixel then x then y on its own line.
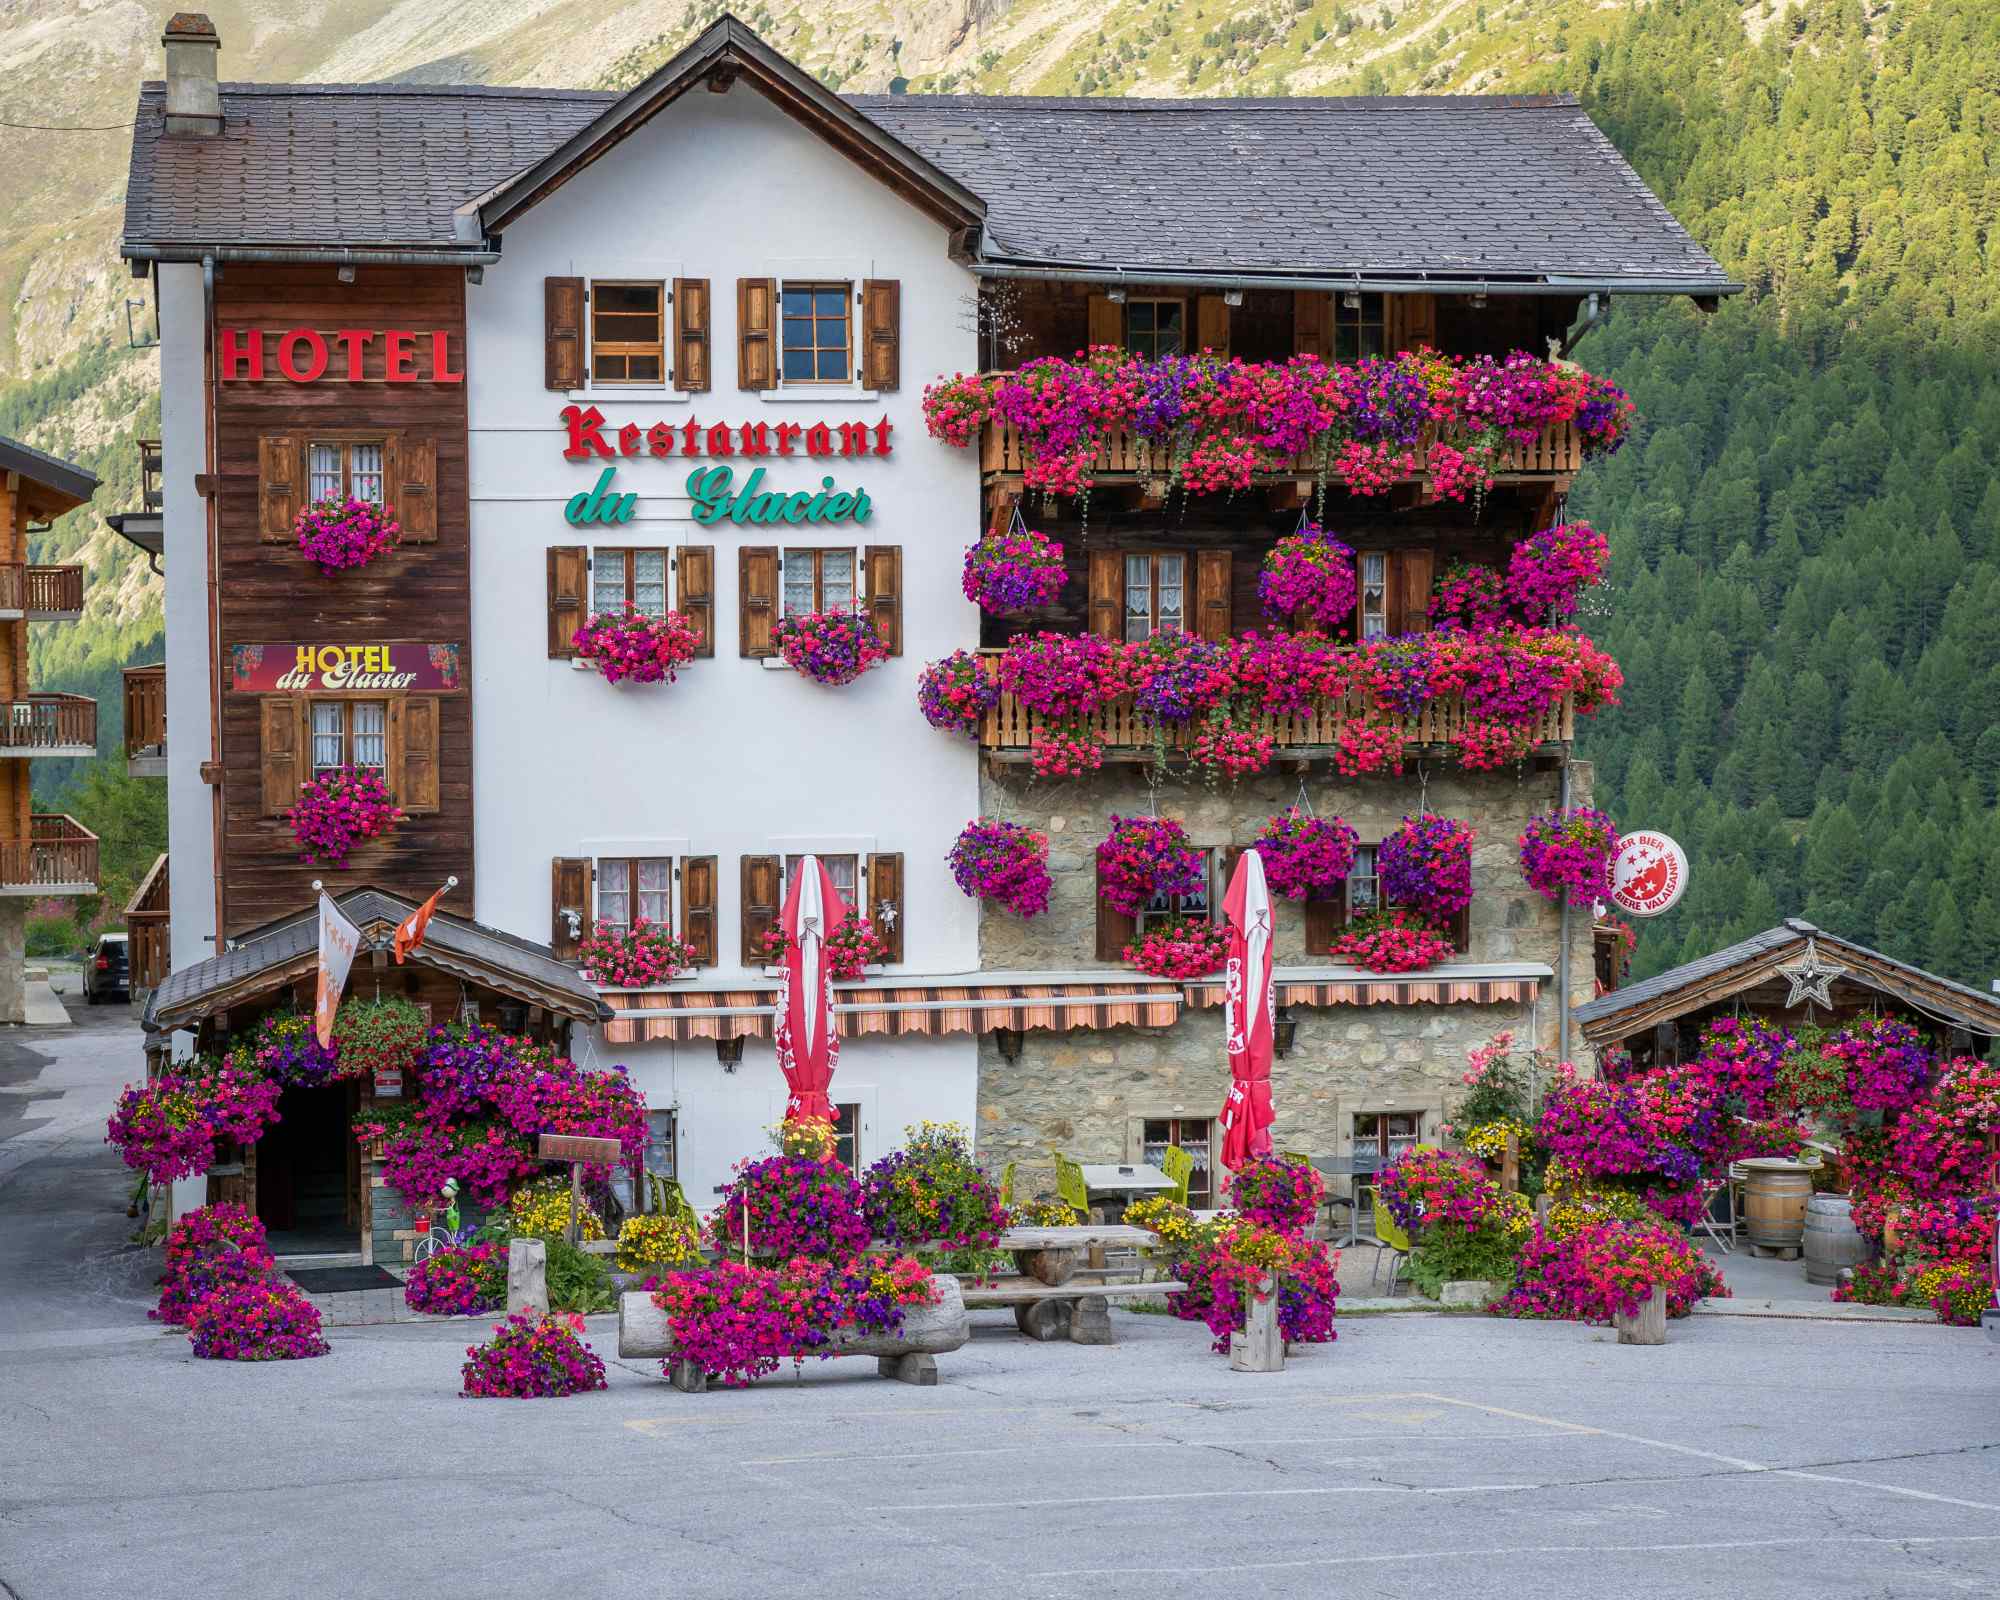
pixel 1065 750
pixel 1309 578
pixel 1427 864
pixel 1395 940
pixel 1184 948
pixel 849 949
pixel 637 646
pixel 1306 857
pixel 829 647
pixel 1567 855
pixel 287 1050
pixel 378 1036
pixel 955 694
pixel 1471 598
pixel 1005 863
pixel 1014 570
pixel 337 534
pixel 169 1126
pixel 1143 857
pixel 339 810
pixel 1231 746
pixel 1548 570
pixel 634 958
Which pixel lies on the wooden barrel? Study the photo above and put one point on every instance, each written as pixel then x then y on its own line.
pixel 1831 1239
pixel 1774 1203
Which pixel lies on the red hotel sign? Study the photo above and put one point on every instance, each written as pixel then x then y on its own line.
pixel 348 355
pixel 325 668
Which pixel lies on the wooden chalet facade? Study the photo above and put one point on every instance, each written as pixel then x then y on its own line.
pixel 501 327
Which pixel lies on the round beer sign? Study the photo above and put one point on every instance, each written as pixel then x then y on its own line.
pixel 1648 875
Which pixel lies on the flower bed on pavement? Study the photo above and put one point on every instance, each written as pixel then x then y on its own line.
pixel 532 1358
pixel 263 1320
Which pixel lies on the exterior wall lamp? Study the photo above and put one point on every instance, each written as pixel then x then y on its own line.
pixel 729 1051
pixel 1008 1042
pixel 1284 1033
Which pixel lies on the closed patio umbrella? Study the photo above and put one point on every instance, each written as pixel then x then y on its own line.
pixel 1249 1014
pixel 807 1044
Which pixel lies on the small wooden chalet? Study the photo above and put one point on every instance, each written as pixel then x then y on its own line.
pixel 315 1188
pixel 1790 974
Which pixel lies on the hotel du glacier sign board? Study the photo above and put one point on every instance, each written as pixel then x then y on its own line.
pixel 329 667
pixel 713 488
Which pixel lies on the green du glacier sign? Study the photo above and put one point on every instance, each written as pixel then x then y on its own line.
pixel 716 499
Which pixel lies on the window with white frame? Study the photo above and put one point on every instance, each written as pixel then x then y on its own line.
pixel 634 888
pixel 628 579
pixel 817 580
pixel 1374 600
pixel 1364 889
pixel 338 470
pixel 847 1137
pixel 844 870
pixel 349 733
pixel 1171 907
pixel 1155 594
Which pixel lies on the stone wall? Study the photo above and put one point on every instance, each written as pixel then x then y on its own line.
pixel 13 960
pixel 1088 1092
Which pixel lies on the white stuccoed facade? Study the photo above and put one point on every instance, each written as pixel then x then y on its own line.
pixel 738 757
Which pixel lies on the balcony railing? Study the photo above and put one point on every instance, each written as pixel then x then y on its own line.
pixel 1010 727
pixel 1124 454
pixel 151 497
pixel 145 716
pixel 148 924
pixel 41 591
pixel 59 855
pixel 49 724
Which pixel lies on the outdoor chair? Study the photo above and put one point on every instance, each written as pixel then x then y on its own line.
pixel 1393 1242
pixel 667 1199
pixel 1705 1219
pixel 1070 1187
pixel 1007 1184
pixel 1178 1165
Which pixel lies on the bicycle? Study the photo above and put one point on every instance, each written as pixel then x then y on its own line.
pixel 431 1238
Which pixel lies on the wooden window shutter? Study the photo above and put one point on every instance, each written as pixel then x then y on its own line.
pixel 1211 595
pixel 569 899
pixel 413 752
pixel 1410 590
pixel 881 333
pixel 698 907
pixel 1312 323
pixel 883 564
pixel 1211 324
pixel 1230 855
pixel 569 571
pixel 1323 923
pixel 281 751
pixel 1107 594
pixel 691 334
pixel 885 902
pixel 763 887
pixel 1410 321
pixel 562 333
pixel 1107 321
pixel 694 567
pixel 280 485
pixel 410 470
pixel 1115 930
pixel 756 320
pixel 756 598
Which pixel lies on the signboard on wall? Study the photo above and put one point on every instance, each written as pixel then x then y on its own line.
pixel 1648 875
pixel 327 668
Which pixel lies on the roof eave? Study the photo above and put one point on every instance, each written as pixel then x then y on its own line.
pixel 1401 281
pixel 725 52
pixel 441 253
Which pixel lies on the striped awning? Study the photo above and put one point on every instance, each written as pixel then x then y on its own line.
pixel 1386 992
pixel 684 1014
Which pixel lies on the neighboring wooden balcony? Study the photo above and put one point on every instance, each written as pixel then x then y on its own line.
pixel 151 496
pixel 1009 730
pixel 40 594
pixel 48 725
pixel 59 857
pixel 146 721
pixel 1557 454
pixel 147 926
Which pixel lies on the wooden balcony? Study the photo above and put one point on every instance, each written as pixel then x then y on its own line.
pixel 1557 455
pixel 40 594
pixel 1008 733
pixel 147 926
pixel 146 721
pixel 59 857
pixel 151 496
pixel 48 725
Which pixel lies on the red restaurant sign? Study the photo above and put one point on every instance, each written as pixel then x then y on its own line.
pixel 346 355
pixel 322 668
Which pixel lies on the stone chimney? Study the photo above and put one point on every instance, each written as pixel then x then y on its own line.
pixel 194 102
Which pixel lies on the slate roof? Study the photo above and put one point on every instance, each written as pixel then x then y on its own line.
pixel 66 478
pixel 1976 1011
pixel 453 943
pixel 1477 187
pixel 1462 185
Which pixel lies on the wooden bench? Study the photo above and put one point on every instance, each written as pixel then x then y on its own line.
pixel 1079 1312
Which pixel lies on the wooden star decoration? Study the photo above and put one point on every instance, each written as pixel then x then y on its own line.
pixel 1811 979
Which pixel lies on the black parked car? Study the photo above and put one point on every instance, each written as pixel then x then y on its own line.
pixel 107 972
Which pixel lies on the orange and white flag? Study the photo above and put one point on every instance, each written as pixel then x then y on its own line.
pixel 338 940
pixel 410 931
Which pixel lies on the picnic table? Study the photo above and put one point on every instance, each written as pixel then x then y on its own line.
pixel 1047 1300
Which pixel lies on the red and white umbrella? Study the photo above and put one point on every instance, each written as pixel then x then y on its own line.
pixel 1249 1014
pixel 807 1045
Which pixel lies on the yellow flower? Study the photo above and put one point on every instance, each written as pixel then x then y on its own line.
pixel 658 1240
pixel 1488 1141
pixel 542 1210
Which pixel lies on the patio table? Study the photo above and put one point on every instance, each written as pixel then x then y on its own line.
pixel 1361 1164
